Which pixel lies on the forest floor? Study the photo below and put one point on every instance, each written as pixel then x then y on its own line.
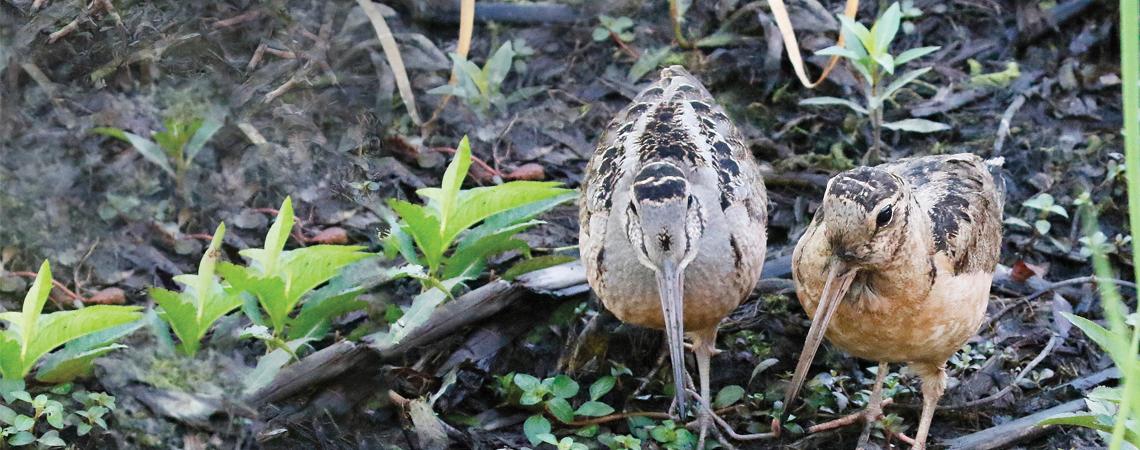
pixel 311 109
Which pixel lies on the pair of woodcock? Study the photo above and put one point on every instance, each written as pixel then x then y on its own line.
pixel 895 266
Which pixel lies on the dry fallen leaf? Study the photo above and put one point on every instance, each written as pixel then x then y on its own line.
pixel 528 172
pixel 109 296
pixel 332 236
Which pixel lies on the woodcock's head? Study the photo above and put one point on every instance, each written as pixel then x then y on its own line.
pixel 664 223
pixel 864 213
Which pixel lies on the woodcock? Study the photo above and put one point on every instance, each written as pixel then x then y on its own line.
pixel 673 222
pixel 896 267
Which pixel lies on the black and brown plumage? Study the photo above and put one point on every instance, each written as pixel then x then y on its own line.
pixel 673 220
pixel 896 267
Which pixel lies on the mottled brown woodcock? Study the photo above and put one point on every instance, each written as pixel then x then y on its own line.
pixel 673 220
pixel 896 267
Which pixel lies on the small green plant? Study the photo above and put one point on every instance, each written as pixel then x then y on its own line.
pixel 553 396
pixel 616 28
pixel 174 149
pixel 38 420
pixel 567 443
pixel 868 52
pixel 31 334
pixel 202 301
pixel 620 441
pixel 482 88
pixel 673 436
pixel 426 234
pixel 281 279
pixel 1046 207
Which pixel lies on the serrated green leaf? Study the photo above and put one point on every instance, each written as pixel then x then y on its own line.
pixel 76 357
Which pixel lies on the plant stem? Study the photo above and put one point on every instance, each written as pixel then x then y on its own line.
pixel 1130 73
pixel 675 17
pixel 873 157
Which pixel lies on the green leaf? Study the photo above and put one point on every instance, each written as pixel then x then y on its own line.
pixel 887 62
pixel 23 423
pixel 75 358
pixel 481 203
pixel 526 382
pixel 205 131
pixel 859 30
pixel 51 439
pixel 564 387
pixel 534 426
pixel 835 50
pixel 594 408
pixel 831 101
pixel 149 150
pixel 601 34
pixel 306 268
pixel 884 30
pixel 560 409
pixel 424 229
pixel 728 396
pixel 21 438
pixel 270 364
pixel 275 239
pixel 466 261
pixel 61 327
pixel 601 387
pixel 917 126
pixel 423 306
pixel 899 82
pixel 647 62
pixel 1113 344
pixel 316 316
pixel 497 68
pixel 451 183
pixel 27 325
pixel 913 54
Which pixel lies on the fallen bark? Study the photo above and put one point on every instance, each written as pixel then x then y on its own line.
pixel 1013 431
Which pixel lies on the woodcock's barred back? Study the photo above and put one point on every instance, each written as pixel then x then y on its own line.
pixel 896 267
pixel 673 221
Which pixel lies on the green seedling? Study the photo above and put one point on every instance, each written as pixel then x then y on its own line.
pixel 567 443
pixel 457 230
pixel 616 28
pixel 173 150
pixel 868 52
pixel 673 436
pixel 38 420
pixel 1046 207
pixel 280 280
pixel 553 395
pixel 482 88
pixel 31 334
pixel 202 302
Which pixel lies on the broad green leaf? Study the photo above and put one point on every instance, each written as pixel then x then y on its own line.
pixel 513 216
pixel 526 382
pixel 594 408
pixel 308 267
pixel 474 254
pixel 75 358
pixel 58 328
pixel 51 439
pixel 499 65
pixel 887 62
pixel 149 150
pixel 21 438
pixel 315 318
pixel 833 101
pixel 899 82
pixel 269 291
pixel 913 54
pixel 474 77
pixel 601 387
pixel 1115 345
pixel 728 396
pixel 647 62
pixel 884 30
pixel 534 426
pixel 424 229
pixel 917 126
pixel 484 202
pixel 560 409
pixel 206 268
pixel 564 387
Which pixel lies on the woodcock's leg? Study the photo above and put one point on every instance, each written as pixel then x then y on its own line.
pixel 933 383
pixel 704 346
pixel 874 405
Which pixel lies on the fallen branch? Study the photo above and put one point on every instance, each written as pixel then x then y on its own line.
pixel 1012 431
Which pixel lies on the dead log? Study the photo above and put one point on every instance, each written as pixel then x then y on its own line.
pixel 1011 432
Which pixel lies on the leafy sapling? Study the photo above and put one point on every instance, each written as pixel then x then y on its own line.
pixel 27 419
pixel 280 279
pixel 202 302
pixel 868 52
pixel 482 88
pixel 458 229
pixel 31 334
pixel 620 29
pixel 173 150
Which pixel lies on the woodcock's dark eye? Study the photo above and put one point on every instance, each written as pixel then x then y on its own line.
pixel 884 217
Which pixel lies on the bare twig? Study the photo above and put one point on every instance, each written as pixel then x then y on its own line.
pixel 57 284
pixel 238 19
pixel 392 52
pixel 849 419
pixel 466 29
